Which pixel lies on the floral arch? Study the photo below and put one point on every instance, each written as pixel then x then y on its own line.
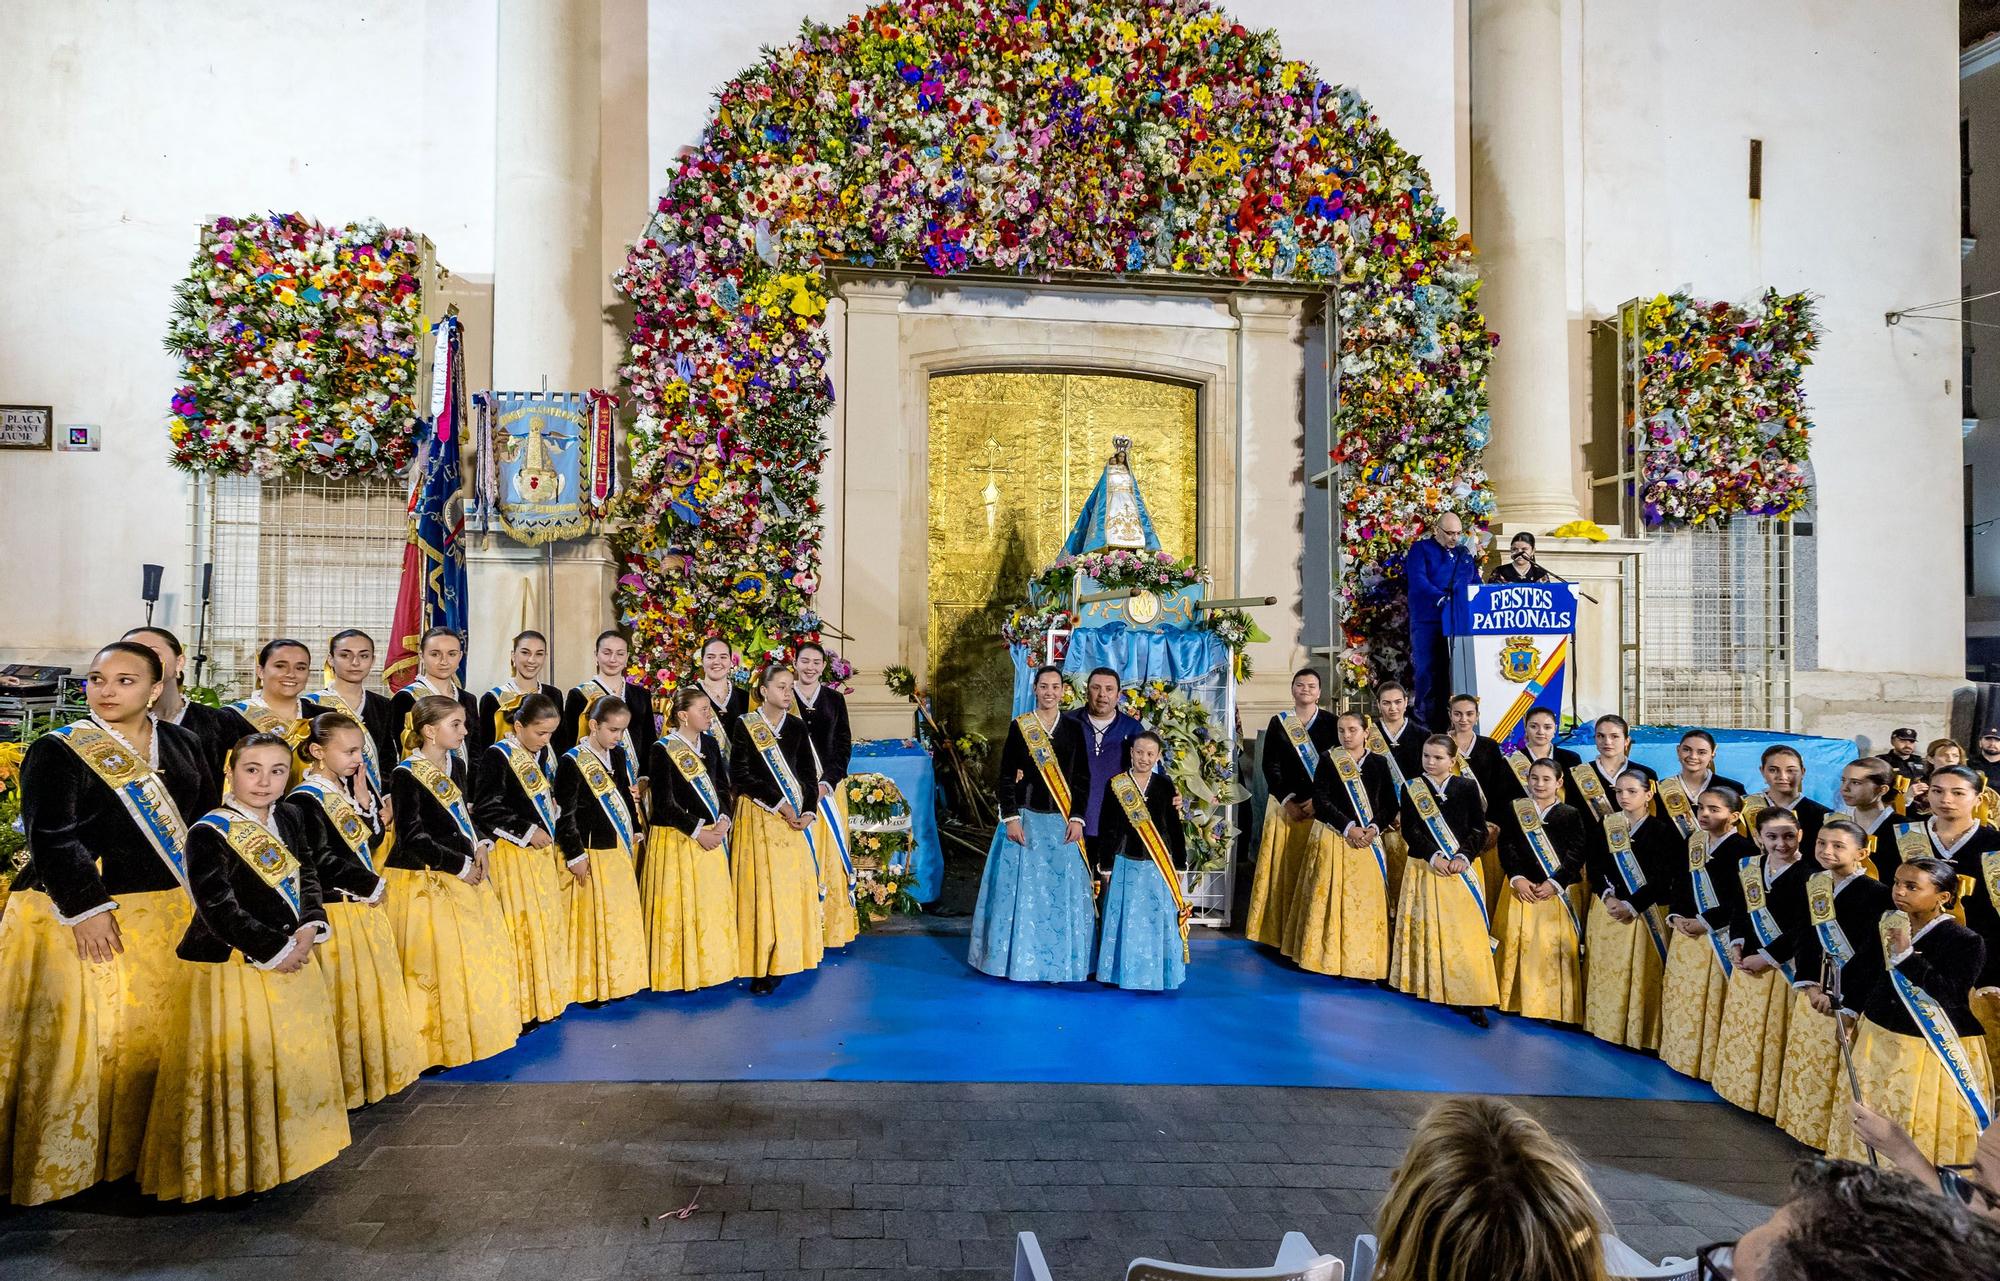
pixel 1035 138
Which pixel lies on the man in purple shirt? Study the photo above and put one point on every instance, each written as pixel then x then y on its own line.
pixel 1105 732
pixel 1439 568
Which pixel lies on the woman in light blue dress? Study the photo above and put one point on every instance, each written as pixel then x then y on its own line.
pixel 1139 830
pixel 1036 912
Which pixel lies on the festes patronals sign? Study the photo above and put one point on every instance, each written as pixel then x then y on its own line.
pixel 1511 645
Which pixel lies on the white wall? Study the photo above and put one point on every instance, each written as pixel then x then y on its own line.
pixel 1857 107
pixel 125 124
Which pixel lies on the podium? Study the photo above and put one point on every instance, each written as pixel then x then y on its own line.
pixel 1511 645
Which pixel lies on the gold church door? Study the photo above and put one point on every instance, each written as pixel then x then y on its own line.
pixel 1012 458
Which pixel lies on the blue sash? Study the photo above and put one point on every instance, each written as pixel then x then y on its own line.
pixel 1295 730
pixel 138 787
pixel 1705 898
pixel 1545 855
pixel 1378 743
pixel 598 780
pixel 371 765
pixel 533 781
pixel 1618 836
pixel 439 784
pixel 1425 799
pixel 1935 1027
pixel 1357 796
pixel 1832 939
pixel 631 749
pixel 1751 872
pixel 259 847
pixel 341 813
pixel 828 812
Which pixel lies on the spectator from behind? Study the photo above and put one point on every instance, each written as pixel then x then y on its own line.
pixel 1484 1192
pixel 1848 1222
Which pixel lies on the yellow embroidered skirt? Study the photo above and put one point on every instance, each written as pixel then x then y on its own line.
pixel 1814 1083
pixel 607 935
pixel 380 1051
pixel 1397 850
pixel 842 924
pixel 532 884
pixel 778 926
pixel 1691 997
pixel 1903 1080
pixel 1340 911
pixel 1442 950
pixel 1621 989
pixel 80 1043
pixel 1987 1010
pixel 458 965
pixel 250 1094
pixel 1539 971
pixel 690 912
pixel 1282 851
pixel 1750 1054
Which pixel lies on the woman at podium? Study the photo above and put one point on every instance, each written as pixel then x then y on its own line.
pixel 1520 565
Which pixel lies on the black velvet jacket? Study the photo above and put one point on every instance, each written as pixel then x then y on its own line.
pixel 501 806
pixel 643 728
pixel 1564 828
pixel 1330 803
pixel 216 732
pixel 1721 866
pixel 85 850
pixel 427 839
pixel 750 779
pixel 1662 856
pixel 492 724
pixel 1285 776
pixel 675 802
pixel 1857 910
pixel 581 823
pixel 339 871
pixel 379 720
pixel 406 701
pixel 1117 838
pixel 1021 784
pixel 1408 748
pixel 1462 812
pixel 1786 899
pixel 832 736
pixel 234 910
pixel 1944 963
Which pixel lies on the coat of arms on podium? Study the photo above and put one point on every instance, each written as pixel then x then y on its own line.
pixel 1519 659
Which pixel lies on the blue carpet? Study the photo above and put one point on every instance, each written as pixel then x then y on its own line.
pixel 907 1008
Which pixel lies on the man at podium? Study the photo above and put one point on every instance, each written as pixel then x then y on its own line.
pixel 1439 568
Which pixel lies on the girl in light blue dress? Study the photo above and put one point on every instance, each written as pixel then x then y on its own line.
pixel 1144 947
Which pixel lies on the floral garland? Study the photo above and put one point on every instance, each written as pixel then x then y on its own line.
pixel 1196 760
pixel 878 834
pixel 1722 399
pixel 1032 137
pixel 299 346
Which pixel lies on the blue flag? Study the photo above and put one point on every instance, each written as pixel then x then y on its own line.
pixel 432 592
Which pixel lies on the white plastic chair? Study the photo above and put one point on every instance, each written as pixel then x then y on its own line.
pixel 1620 1261
pixel 1297 1261
pixel 1028 1262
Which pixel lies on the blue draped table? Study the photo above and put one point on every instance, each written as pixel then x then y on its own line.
pixel 1737 755
pixel 909 766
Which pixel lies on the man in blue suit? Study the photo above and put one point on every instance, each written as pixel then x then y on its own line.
pixel 1439 569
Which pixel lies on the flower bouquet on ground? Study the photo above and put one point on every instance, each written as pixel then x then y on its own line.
pixel 879 840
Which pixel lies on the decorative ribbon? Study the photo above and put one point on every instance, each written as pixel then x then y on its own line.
pixel 1935 1027
pixel 1750 872
pixel 1424 796
pixel 1679 807
pixel 1618 836
pixel 835 825
pixel 371 763
pixel 138 787
pixel 599 781
pixel 1295 730
pixel 1518 759
pixel 1545 854
pixel 1378 743
pixel 1357 796
pixel 1752 807
pixel 259 847
pixel 1705 898
pixel 528 771
pixel 345 819
pixel 1591 784
pixel 602 460
pixel 1141 820
pixel 1042 750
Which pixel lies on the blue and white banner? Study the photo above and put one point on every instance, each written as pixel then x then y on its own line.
pixel 1511 646
pixel 532 449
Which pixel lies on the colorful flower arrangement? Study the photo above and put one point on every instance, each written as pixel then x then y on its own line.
pixel 878 836
pixel 1029 137
pixel 299 347
pixel 1722 404
pixel 13 842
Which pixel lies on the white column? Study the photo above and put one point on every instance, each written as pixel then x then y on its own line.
pixel 1518 228
pixel 1270 494
pixel 548 313
pixel 876 492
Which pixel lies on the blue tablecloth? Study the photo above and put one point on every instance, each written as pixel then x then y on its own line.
pixel 1738 754
pixel 909 766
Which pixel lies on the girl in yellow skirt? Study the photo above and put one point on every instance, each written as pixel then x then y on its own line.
pixel 1340 914
pixel 1634 862
pixel 249 1094
pixel 1293 745
pixel 1867 790
pixel 1444 948
pixel 339 837
pixel 825 714
pixel 1931 1077
pixel 684 892
pixel 1541 929
pixel 778 926
pixel 278 706
pixel 1698 959
pixel 597 826
pixel 613 654
pixel 1956 834
pixel 458 958
pixel 1399 741
pixel 514 804
pixel 1838 967
pixel 440 651
pixel 1765 931
pixel 87 970
pixel 527 659
pixel 350 661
